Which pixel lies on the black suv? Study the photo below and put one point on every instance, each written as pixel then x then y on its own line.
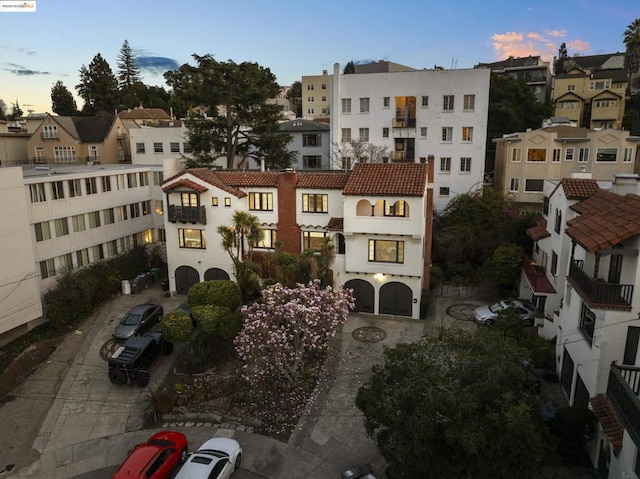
pixel 130 363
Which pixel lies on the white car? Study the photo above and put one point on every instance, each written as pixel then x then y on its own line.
pixel 488 314
pixel 217 458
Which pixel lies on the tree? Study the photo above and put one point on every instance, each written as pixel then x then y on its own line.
pixel 632 47
pixel 359 150
pixel 286 335
pixel 240 122
pixel 98 87
pixel 131 87
pixel 177 327
pixel 3 110
pixel 503 268
pixel 563 55
pixel 349 68
pixel 62 101
pixel 16 111
pixel 294 95
pixel 454 403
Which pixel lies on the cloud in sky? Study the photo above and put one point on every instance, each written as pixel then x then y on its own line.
pixel 518 44
pixel 20 70
pixel 156 65
pixel 23 50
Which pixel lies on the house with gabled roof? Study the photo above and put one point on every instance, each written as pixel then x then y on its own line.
pixel 310 140
pixel 377 215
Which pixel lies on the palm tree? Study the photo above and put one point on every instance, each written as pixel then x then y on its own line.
pixel 632 44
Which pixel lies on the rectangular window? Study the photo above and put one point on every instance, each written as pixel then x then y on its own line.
pixel 515 155
pixel 599 84
pixel 514 184
pixel 447 134
pixel 143 176
pixel 40 158
pixel 315 203
pixel 49 131
pixel 554 264
pixel 37 193
pixel 346 105
pixel 43 232
pixel 385 102
pixel 424 102
pixel 122 213
pixel 443 191
pixel 106 183
pixel 312 240
pixel 607 154
pixel 467 133
pixel 536 154
pixel 140 148
pixel 312 162
pixel 583 155
pixel 162 235
pixel 97 253
pixel 587 322
pixel 94 219
pixel 533 186
pixel 311 140
pixel 158 177
pixel 261 201
pixel 396 209
pixel 385 132
pixel 64 154
pixel 324 98
pixel 346 162
pixel 134 209
pixel 174 146
pixel 469 103
pixel 109 216
pixel 157 147
pixel 568 154
pixel 82 257
pixel 132 180
pixel 310 87
pixel 227 201
pixel 558 221
pixel 386 251
pixel 214 201
pixel 628 155
pixel 77 222
pixel 465 165
pixel 61 227
pixel 267 239
pixel 364 134
pixel 186 147
pixel 112 248
pixel 445 165
pixel 447 102
pixel 571 87
pixel 423 131
pixel 189 238
pixel 47 268
pixel 120 182
pixel 556 154
pixel 66 262
pixel 91 186
pixel 146 208
pixel 346 135
pixel 74 188
pixel 364 105
pixel 57 190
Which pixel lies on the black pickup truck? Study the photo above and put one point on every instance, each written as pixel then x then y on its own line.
pixel 130 363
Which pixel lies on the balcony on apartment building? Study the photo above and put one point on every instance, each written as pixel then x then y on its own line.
pixel 403 122
pixel 623 388
pixel 187 214
pixel 597 292
pixel 536 276
pixel 400 156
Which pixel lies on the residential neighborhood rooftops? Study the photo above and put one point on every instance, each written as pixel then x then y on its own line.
pixel 399 179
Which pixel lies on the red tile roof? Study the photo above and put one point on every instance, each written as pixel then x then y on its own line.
pixel 605 220
pixel 539 230
pixel 608 419
pixel 186 183
pixel 208 176
pixel 336 224
pixel 327 181
pixel 249 178
pixel 579 188
pixel 388 179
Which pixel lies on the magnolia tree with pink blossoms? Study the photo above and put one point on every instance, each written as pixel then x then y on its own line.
pixel 287 333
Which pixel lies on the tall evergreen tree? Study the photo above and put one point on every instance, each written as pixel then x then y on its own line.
pixel 294 95
pixel 563 54
pixel 62 101
pixel 350 67
pixel 98 87
pixel 128 71
pixel 16 111
pixel 632 45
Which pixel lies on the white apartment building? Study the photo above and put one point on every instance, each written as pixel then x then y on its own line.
pixel 377 215
pixel 151 144
pixel 415 114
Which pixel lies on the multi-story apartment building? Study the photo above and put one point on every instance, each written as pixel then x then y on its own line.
pixel 151 144
pixel 525 160
pixel 532 70
pixel 310 140
pixel 415 114
pixel 316 96
pixel 377 215
pixel 591 90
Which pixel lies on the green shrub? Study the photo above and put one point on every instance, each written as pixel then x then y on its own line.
pixel 207 316
pixel 196 356
pixel 230 324
pixel 219 292
pixel 425 300
pixel 177 327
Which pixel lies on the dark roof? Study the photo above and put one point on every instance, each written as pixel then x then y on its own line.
pixel 513 63
pixel 141 113
pixel 303 125
pixel 592 61
pixel 382 66
pixel 93 129
pixel 388 179
pixel 617 75
pixel 336 224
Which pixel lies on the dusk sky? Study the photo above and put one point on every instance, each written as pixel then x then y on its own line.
pixel 292 38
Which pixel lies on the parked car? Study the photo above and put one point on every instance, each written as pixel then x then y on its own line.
pixel 138 320
pixel 487 315
pixel 130 363
pixel 217 458
pixel 156 458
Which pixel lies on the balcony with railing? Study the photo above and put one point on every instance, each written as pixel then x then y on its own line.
pixel 598 293
pixel 404 123
pixel 187 214
pixel 536 277
pixel 623 388
pixel 400 156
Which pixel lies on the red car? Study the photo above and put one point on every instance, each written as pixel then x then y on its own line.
pixel 156 458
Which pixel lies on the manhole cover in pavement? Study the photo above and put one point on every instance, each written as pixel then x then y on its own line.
pixel 369 334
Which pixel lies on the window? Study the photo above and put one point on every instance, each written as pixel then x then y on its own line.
pixel 157 147
pixel 324 98
pixel 571 88
pixel 443 191
pixel 61 227
pixel 146 208
pixel 556 154
pixel 339 241
pixel 39 150
pixel 132 180
pixel 323 86
pixel 64 154
pixel 554 264
pixel 364 105
pixel 385 102
pixel 140 148
pixel 467 133
pixel 423 159
pixel 628 155
pixel 447 102
pixel 37 193
pixel 310 99
pixel 109 216
pixel 267 239
pixel 325 111
pixel 583 155
pixel 465 165
pixel 214 201
pixel 134 209
pixel 568 154
pixel 346 105
pixel 311 111
pixel 74 188
pixel 423 131
pixel 558 222
pixel 120 182
pixel 312 240
pixel 66 262
pixel 106 183
pixel 186 147
pixel 445 165
pixel 315 203
pixel 97 253
pixel 227 201
pixel 424 102
pixel 57 190
pixel 122 213
pixel 469 103
pixel 77 223
pixel 515 155
pixel 346 135
pixel 311 140
pixel 447 134
pixel 599 84
pixel 587 322
pixel 91 186
pixel 143 176
pixel 386 251
pixel 533 185
pixel 112 248
pixel 49 131
pixel 310 87
pixel 189 238
pixel 514 184
pixel 43 232
pixel 312 162
pixel 47 268
pixel 261 201
pixel 94 219
pixel 158 177
pixel 364 134
pixel 82 257
pixel 162 235
pixel 536 154
pixel 607 154
pixel 346 162
pixel 385 132
pixel 396 209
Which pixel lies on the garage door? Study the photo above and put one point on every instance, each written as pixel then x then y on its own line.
pixel 396 298
pixel 215 273
pixel 363 293
pixel 186 277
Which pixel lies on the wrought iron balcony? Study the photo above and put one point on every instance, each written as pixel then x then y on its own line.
pixel 622 391
pixel 596 292
pixel 404 122
pixel 187 214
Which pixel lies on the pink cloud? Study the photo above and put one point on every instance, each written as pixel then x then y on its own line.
pixel 557 33
pixel 578 45
pixel 519 44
